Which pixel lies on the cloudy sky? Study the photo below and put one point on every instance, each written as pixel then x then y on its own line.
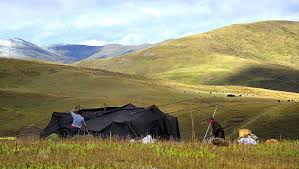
pixel 98 22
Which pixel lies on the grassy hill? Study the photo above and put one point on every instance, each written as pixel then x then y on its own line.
pixel 31 91
pixel 263 54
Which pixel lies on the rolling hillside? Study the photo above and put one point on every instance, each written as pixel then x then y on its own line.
pixel 263 54
pixel 31 91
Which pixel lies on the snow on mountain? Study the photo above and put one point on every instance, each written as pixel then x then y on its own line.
pixel 5 46
pixel 21 49
pixel 5 42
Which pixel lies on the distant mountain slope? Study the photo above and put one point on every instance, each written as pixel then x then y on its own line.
pixel 21 49
pixel 81 52
pixel 114 50
pixel 74 52
pixel 262 54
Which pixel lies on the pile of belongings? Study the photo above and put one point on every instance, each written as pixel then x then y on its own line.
pixel 127 121
pixel 146 140
pixel 250 139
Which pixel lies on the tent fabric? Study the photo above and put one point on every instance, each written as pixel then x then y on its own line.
pixel 127 121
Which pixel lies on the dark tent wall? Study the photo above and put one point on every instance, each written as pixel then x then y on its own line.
pixel 173 126
pixel 126 121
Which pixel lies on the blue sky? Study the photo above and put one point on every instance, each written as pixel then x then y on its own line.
pixel 98 22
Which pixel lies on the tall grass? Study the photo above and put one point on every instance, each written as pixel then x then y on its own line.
pixel 98 153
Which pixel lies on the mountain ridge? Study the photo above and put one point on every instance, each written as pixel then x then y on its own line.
pixel 62 53
pixel 21 49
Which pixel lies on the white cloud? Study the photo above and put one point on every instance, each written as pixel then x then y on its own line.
pixel 187 34
pixel 95 21
pixel 152 11
pixel 93 43
pixel 112 21
pixel 131 39
pixel 130 22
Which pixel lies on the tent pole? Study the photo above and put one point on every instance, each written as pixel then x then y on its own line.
pixel 210 124
pixel 192 122
pixel 110 136
pixel 104 105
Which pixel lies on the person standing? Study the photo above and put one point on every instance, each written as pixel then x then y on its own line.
pixel 78 121
pixel 217 130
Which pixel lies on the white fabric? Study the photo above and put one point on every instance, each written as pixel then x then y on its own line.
pixel 77 120
pixel 147 140
pixel 249 141
pixel 253 136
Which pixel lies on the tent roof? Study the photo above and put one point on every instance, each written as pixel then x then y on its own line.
pixel 137 120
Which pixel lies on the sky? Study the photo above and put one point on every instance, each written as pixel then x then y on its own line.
pixel 128 22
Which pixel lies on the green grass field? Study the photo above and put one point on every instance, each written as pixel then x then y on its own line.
pixel 262 55
pixel 31 91
pixel 94 153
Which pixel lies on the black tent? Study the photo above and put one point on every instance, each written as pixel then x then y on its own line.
pixel 126 121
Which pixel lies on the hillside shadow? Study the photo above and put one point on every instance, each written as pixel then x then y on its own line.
pixel 274 77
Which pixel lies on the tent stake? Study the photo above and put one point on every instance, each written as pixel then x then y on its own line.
pixel 210 124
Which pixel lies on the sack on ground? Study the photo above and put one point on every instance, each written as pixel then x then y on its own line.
pixel 219 142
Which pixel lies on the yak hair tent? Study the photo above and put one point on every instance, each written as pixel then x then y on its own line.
pixel 127 121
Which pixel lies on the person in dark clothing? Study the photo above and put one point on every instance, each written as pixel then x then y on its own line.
pixel 217 130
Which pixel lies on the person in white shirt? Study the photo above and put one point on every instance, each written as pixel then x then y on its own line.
pixel 78 121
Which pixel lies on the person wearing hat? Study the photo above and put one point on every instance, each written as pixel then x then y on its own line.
pixel 217 130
